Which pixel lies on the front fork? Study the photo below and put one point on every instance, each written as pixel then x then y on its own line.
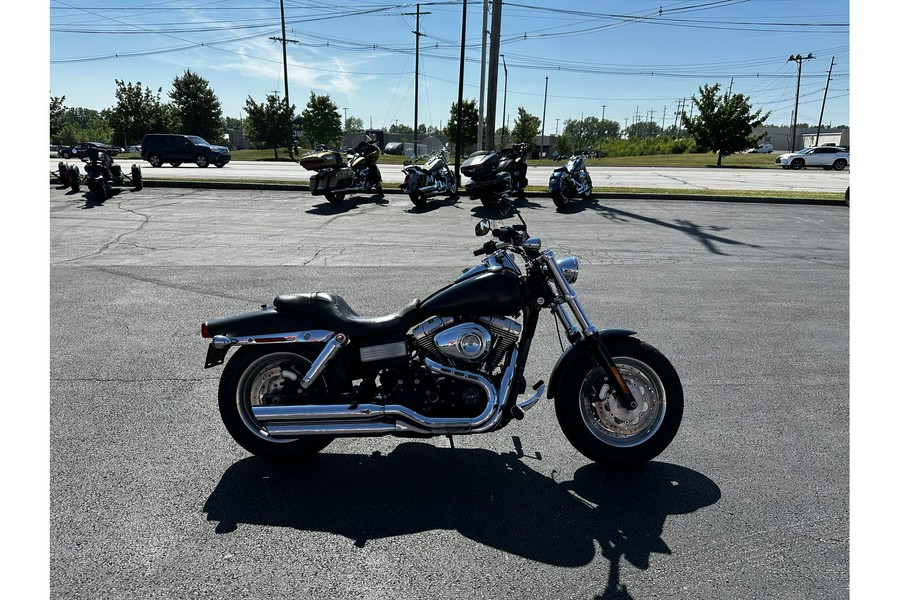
pixel 581 327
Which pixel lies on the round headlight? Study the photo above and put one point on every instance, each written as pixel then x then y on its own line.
pixel 569 267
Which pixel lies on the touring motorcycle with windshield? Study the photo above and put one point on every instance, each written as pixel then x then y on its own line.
pixel 308 368
pixel 335 178
pixel 494 175
pixel 430 179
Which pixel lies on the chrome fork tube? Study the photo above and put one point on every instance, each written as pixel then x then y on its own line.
pixel 568 294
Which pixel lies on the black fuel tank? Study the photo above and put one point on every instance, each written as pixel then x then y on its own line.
pixel 488 293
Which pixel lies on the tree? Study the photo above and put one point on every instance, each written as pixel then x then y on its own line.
pixel 353 124
pixel 525 128
pixel 56 116
pixel 468 124
pixel 269 124
pixel 321 121
pixel 139 111
pixel 198 107
pixel 232 123
pixel 724 124
pixel 643 129
pixel 400 128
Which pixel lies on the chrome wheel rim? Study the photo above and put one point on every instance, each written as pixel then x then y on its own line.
pixel 614 424
pixel 266 377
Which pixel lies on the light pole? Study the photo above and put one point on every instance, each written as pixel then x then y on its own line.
pixel 503 119
pixel 799 60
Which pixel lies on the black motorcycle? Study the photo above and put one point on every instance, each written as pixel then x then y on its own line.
pixel 101 175
pixel 308 368
pixel 570 181
pixel 494 175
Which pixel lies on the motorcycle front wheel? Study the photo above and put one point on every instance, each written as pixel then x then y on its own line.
pixel 607 432
pixel 256 376
pixel 562 195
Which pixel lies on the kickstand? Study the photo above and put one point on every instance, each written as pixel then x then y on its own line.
pixel 450 437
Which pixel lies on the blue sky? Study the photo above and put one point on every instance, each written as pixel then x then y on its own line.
pixel 614 58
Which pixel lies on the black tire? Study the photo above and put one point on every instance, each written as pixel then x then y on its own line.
pixel 253 371
pixel 590 190
pixel 334 198
pixel 155 160
pixel 63 174
pixel 201 161
pixel 847 196
pixel 175 163
pixel 609 434
pixel 797 164
pixel 219 165
pixel 137 180
pixel 74 177
pixel 840 164
pixel 418 199
pixel 66 154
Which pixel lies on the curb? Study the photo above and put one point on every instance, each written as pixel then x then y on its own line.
pixel 286 187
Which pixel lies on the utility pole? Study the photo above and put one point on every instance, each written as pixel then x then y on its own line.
pixel 459 100
pixel 544 115
pixel 416 102
pixel 484 32
pixel 799 60
pixel 287 98
pixel 603 117
pixel 822 112
pixel 491 117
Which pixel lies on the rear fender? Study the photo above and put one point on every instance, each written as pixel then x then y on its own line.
pixel 577 354
pixel 264 326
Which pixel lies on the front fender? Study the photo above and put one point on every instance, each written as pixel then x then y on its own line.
pixel 575 353
pixel 556 178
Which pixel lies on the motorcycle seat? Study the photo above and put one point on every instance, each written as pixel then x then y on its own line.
pixel 333 312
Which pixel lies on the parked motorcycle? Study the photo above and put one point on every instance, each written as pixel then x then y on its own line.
pixel 101 175
pixel 308 368
pixel 493 174
pixel 570 181
pixel 336 178
pixel 434 177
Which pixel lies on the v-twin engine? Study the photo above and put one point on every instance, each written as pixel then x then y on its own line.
pixel 472 345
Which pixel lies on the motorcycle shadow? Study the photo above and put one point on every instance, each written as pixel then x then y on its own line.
pixel 577 206
pixel 493 499
pixel 434 204
pixel 91 202
pixel 327 208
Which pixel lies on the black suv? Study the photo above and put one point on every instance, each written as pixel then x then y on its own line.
pixel 174 148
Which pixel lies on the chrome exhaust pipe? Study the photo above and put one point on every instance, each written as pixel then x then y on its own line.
pixel 377 419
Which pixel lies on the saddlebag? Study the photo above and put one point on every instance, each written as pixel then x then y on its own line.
pixel 339 178
pixel 325 159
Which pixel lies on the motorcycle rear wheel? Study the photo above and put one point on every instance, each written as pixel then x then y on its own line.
pixel 489 201
pixel 252 373
pixel 608 433
pixel 418 199
pixel 334 198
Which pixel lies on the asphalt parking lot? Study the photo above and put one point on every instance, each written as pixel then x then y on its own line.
pixel 150 498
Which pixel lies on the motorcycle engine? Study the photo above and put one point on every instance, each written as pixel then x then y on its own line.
pixel 475 346
pixel 478 346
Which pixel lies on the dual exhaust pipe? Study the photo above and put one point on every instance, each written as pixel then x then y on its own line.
pixel 352 420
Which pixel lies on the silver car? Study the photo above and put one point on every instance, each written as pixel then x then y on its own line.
pixel 827 157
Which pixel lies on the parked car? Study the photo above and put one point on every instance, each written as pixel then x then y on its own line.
pixel 827 157
pixel 175 149
pixel 80 150
pixel 762 149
